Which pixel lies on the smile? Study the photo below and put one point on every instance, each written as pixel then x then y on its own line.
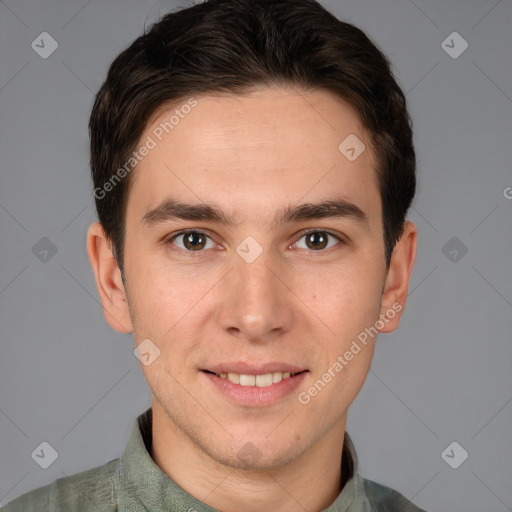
pixel 259 390
pixel 261 381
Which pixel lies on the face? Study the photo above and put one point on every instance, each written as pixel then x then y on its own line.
pixel 279 288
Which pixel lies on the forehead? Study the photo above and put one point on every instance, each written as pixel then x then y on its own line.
pixel 264 149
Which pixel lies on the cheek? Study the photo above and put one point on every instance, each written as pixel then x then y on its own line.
pixel 162 297
pixel 168 307
pixel 346 300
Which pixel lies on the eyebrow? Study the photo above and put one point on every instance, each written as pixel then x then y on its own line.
pixel 171 209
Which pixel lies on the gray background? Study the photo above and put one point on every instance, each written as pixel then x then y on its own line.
pixel 68 379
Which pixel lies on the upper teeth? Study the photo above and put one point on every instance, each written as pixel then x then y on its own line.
pixel 256 380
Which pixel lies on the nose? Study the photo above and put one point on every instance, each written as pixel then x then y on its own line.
pixel 256 302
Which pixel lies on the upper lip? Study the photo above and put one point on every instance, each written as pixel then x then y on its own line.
pixel 245 368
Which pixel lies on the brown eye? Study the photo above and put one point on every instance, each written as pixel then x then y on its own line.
pixel 318 240
pixel 191 241
pixel 194 241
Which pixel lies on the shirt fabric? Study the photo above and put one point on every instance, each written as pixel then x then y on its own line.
pixel 134 483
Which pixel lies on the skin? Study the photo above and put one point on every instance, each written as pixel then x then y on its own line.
pixel 253 155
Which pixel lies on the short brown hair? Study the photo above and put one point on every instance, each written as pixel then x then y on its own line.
pixel 235 46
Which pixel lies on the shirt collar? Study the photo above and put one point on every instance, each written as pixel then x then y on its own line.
pixel 139 481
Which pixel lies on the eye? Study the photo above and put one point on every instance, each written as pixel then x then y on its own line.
pixel 191 241
pixel 317 240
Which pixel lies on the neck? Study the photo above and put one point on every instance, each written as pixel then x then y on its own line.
pixel 311 481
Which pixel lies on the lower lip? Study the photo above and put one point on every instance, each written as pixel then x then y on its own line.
pixel 254 396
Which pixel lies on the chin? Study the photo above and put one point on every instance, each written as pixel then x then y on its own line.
pixel 253 455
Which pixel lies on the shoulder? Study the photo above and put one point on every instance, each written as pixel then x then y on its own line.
pixel 385 499
pixel 92 489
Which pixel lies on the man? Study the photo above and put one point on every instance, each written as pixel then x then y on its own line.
pixel 253 165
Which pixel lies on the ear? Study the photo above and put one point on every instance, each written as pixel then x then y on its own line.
pixel 397 281
pixel 108 279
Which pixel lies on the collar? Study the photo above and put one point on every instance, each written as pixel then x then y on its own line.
pixel 141 483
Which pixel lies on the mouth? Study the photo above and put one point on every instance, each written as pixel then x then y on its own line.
pixel 260 380
pixel 255 385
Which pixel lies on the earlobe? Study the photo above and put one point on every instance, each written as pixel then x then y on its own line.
pixel 396 287
pixel 108 279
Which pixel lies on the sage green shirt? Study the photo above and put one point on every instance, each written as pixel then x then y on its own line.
pixel 134 483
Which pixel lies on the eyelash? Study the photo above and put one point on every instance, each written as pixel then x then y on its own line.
pixel 194 254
